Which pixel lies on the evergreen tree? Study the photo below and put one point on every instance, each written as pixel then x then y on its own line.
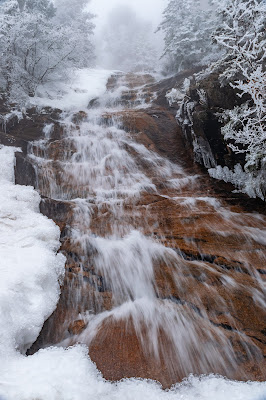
pixel 44 7
pixel 187 34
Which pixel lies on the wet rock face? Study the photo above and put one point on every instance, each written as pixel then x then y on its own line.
pixel 27 127
pixel 77 327
pixel 155 128
pixel 19 132
pixel 24 171
pixel 206 124
pixel 182 295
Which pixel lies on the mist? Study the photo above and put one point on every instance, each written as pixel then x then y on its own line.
pixel 125 37
pixel 151 10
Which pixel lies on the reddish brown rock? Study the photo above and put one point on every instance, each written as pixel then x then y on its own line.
pixel 77 327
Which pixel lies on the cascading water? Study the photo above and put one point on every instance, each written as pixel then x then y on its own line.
pixel 125 267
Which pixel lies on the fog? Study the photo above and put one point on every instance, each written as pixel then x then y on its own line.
pixel 124 35
pixel 151 10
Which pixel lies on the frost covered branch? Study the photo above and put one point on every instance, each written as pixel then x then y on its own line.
pixel 38 45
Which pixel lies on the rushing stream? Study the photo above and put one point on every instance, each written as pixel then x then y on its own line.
pixel 125 266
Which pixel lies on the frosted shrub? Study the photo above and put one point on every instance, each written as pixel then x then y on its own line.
pixel 253 186
pixel 36 47
pixel 246 123
pixel 243 36
pixel 178 95
pixel 241 33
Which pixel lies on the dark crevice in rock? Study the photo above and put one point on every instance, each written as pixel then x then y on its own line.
pixel 262 271
pixel 197 257
pixel 224 326
pixel 214 259
pixel 256 338
pixel 179 301
pixel 25 173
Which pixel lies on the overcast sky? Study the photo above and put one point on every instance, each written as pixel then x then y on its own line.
pixel 148 9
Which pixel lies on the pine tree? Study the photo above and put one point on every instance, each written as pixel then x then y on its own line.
pixel 44 7
pixel 187 34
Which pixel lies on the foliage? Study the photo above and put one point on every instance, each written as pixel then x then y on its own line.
pixel 187 31
pixel 73 16
pixel 241 33
pixel 36 46
pixel 243 36
pixel 245 129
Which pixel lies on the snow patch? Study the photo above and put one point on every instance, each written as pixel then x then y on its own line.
pixel 86 85
pixel 29 266
pixel 58 374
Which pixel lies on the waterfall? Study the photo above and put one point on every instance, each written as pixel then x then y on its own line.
pixel 130 209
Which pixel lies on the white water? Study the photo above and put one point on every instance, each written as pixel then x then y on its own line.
pixel 102 170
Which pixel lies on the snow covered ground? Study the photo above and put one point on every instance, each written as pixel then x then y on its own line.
pixel 86 85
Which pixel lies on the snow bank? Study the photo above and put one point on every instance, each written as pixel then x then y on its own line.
pixel 58 374
pixel 86 85
pixel 29 265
